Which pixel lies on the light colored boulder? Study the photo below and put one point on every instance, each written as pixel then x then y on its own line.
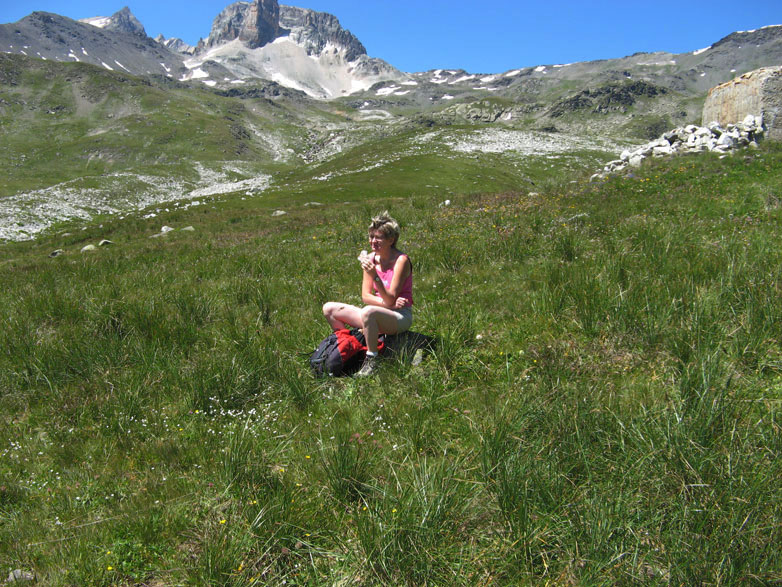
pixel 757 94
pixel 86 248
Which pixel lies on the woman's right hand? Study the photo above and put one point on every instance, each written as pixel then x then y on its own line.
pixel 400 303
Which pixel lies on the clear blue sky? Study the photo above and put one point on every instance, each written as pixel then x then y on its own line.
pixel 481 37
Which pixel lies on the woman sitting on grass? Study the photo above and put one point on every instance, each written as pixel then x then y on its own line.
pixel 386 289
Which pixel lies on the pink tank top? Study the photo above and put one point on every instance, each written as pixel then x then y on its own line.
pixel 407 286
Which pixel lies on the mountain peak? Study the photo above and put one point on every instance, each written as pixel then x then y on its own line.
pixel 121 21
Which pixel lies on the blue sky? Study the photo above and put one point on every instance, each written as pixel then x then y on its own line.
pixel 481 37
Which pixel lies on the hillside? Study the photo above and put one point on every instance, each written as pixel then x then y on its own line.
pixel 83 142
pixel 602 407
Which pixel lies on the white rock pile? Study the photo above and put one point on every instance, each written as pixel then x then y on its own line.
pixel 691 139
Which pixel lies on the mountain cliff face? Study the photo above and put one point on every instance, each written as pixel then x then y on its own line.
pixel 260 22
pixel 254 23
pixel 316 30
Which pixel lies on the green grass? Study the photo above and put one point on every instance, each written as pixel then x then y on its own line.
pixel 603 406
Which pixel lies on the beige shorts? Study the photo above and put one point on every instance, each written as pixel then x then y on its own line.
pixel 404 318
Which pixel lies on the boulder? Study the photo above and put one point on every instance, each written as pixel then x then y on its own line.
pixel 19 576
pixel 752 100
pixel 86 248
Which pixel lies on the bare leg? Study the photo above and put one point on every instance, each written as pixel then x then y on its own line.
pixel 339 314
pixel 376 320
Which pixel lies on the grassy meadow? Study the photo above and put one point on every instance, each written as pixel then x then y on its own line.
pixel 603 406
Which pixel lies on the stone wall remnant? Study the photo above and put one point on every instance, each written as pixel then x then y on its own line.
pixel 692 139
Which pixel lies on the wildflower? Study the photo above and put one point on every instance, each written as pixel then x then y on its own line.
pixel 222 521
pixel 109 568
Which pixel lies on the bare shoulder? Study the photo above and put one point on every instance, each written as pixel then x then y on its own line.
pixel 403 262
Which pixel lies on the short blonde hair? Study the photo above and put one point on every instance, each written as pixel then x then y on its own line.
pixel 385 225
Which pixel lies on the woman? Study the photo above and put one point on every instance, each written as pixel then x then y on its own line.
pixel 386 289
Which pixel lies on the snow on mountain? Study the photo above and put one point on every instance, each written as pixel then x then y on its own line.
pixel 97 21
pixel 326 75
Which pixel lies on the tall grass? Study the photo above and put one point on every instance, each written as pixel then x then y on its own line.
pixel 602 407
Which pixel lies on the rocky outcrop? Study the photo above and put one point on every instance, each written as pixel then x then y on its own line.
pixel 255 24
pixel 606 99
pixel 260 22
pixel 176 45
pixel 756 92
pixel 316 30
pixel 691 139
pixel 124 22
pixel 484 111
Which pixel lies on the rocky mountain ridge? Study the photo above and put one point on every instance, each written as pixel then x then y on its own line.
pixel 264 39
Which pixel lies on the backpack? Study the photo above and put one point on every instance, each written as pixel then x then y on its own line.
pixel 341 353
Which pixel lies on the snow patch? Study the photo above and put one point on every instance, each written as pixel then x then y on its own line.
pixel 771 26
pixel 387 91
pixel 107 66
pixel 699 51
pixel 97 21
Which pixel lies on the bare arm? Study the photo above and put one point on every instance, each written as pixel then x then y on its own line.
pixel 385 297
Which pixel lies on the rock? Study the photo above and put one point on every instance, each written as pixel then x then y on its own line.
pixel 124 22
pixel 254 23
pixel 86 248
pixel 56 253
pixel 726 141
pixel 279 213
pixel 753 100
pixel 105 243
pixel 166 229
pixel 19 576
pixel 636 160
pixel 188 229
